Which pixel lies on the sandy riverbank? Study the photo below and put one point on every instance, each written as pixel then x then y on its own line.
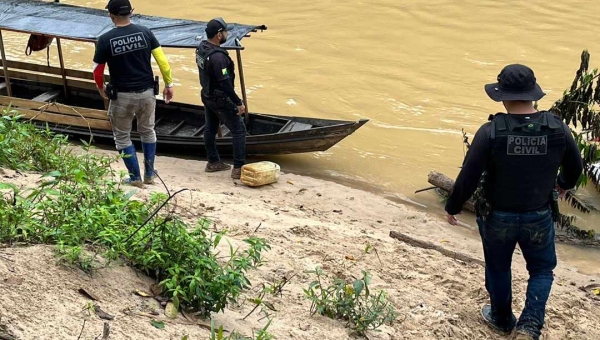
pixel 308 222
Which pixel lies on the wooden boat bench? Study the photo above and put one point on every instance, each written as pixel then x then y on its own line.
pixel 48 96
pixel 57 113
pixel 292 126
pixel 41 107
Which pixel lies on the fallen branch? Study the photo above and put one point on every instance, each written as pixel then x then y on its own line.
pixel 106 331
pixel 426 189
pixel 445 184
pixel 82 328
pixel 428 245
pixel 151 216
pixel 102 314
pixel 44 107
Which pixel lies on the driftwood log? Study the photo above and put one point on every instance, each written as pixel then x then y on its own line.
pixel 445 185
pixel 428 245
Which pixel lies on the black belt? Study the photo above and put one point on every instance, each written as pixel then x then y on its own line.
pixel 137 91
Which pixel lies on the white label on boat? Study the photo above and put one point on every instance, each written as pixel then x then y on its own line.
pixel 291 102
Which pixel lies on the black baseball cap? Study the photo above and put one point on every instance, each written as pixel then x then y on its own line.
pixel 217 25
pixel 119 7
pixel 515 82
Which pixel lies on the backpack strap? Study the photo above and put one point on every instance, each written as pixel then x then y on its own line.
pixel 554 122
pixel 498 122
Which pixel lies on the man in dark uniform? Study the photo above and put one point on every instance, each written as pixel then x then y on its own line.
pixel 217 77
pixel 127 49
pixel 519 155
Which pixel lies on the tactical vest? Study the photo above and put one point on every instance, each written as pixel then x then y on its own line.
pixel 203 54
pixel 524 163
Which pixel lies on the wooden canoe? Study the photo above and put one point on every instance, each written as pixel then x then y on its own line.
pixel 38 93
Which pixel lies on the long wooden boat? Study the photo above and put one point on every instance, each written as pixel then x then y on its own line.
pixel 66 101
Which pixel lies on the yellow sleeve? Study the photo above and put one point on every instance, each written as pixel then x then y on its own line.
pixel 163 64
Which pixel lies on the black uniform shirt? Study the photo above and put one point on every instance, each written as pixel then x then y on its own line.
pixel 477 159
pixel 128 51
pixel 220 78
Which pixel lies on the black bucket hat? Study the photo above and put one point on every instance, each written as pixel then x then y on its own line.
pixel 515 82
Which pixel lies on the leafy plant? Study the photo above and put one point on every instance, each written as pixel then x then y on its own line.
pixel 260 301
pixel 218 334
pixel 578 106
pixel 80 208
pixel 353 303
pixel 23 147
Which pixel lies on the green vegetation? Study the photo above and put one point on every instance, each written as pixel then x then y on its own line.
pixel 85 213
pixel 353 303
pixel 218 334
pixel 578 107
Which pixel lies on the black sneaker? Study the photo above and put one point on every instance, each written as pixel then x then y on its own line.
pixel 218 166
pixel 486 313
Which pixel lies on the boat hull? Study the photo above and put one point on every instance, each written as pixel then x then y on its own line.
pixel 179 126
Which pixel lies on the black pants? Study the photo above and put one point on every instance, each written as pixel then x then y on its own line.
pixel 227 113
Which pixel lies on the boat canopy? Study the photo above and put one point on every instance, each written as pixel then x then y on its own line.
pixel 88 24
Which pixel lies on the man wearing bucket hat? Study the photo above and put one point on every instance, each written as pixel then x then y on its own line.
pixel 519 154
pixel 221 103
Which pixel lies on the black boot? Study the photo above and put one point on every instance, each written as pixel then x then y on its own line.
pixel 503 327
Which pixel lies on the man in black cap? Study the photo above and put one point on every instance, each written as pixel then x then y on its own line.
pixel 127 49
pixel 217 78
pixel 519 154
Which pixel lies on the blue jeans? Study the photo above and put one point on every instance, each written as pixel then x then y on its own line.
pixel 534 232
pixel 228 115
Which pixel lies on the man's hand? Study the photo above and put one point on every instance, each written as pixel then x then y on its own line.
pixel 561 192
pixel 168 93
pixel 102 92
pixel 241 110
pixel 452 219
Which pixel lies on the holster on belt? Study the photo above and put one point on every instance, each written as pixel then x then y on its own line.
pixel 483 208
pixel 111 91
pixel 156 86
pixel 554 205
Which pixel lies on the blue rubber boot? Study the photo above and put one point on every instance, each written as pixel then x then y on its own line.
pixel 149 154
pixel 133 167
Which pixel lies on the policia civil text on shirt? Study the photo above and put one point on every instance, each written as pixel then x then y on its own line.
pixel 127 49
pixel 217 78
pixel 519 154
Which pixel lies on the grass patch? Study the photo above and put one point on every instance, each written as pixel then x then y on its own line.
pixel 354 303
pixel 218 334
